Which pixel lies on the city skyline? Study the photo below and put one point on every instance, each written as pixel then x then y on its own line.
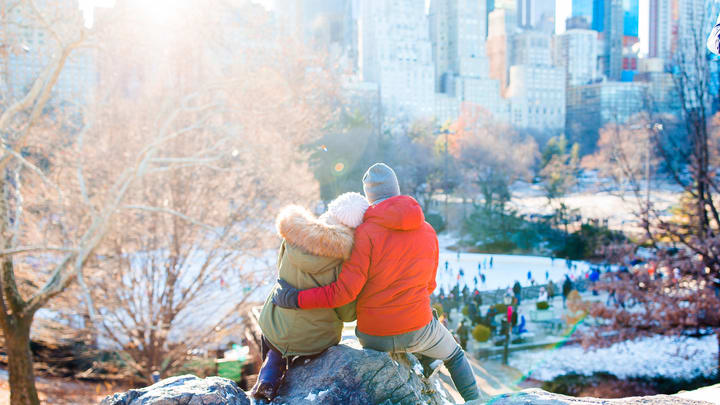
pixel 563 10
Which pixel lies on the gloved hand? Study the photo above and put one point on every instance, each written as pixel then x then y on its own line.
pixel 286 296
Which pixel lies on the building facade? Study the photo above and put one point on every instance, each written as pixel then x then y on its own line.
pixel 576 50
pixel 394 51
pixel 461 63
pixel 32 47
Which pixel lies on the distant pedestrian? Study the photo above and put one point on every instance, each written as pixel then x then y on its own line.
pixel 517 289
pixel 529 275
pixel 485 263
pixel 482 279
pixel 491 262
pixel 547 275
pixel 446 265
pixel 462 334
pixel 458 255
pixel 475 280
pixel 566 288
pixel 551 290
pixel 479 267
pixel 462 273
pixel 543 295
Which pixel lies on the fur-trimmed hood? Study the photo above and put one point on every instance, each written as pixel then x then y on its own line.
pixel 317 236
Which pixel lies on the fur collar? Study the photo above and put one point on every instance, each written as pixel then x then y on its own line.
pixel 315 235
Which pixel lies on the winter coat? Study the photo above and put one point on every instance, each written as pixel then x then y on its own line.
pixel 311 255
pixel 391 271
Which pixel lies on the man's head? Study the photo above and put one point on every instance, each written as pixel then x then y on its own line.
pixel 380 183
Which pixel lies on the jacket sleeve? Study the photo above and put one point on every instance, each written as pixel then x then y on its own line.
pixel 350 282
pixel 713 42
pixel 432 284
pixel 347 313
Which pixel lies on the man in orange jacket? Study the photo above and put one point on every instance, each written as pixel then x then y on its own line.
pixel 391 275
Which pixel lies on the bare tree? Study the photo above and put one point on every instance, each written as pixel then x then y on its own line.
pixel 71 197
pixel 678 294
pixel 491 156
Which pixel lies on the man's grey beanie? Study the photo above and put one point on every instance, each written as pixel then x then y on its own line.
pixel 380 183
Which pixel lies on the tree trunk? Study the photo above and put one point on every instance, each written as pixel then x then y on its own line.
pixel 717 335
pixel 20 364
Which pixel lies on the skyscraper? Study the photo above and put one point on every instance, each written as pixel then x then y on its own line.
pixel 660 21
pixel 395 52
pixel 537 14
pixel 613 38
pixel 576 50
pixel 32 46
pixel 502 24
pixel 536 89
pixel 631 17
pixel 456 31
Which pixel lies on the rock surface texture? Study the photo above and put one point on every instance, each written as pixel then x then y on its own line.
pixel 346 374
pixel 183 390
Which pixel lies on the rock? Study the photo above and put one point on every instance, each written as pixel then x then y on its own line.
pixel 540 397
pixel 348 374
pixel 183 390
pixel 344 374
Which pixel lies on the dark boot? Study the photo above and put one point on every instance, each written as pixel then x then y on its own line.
pixel 271 377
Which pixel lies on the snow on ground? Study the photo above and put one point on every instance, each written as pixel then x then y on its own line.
pixel 707 394
pixel 505 271
pixel 594 199
pixel 650 357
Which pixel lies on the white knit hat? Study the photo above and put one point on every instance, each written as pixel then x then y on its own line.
pixel 348 209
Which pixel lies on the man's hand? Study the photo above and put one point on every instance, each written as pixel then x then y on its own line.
pixel 286 296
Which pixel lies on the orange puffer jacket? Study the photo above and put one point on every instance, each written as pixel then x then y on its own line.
pixel 391 271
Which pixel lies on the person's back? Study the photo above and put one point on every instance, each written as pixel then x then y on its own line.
pixel 404 264
pixel 311 255
pixel 391 272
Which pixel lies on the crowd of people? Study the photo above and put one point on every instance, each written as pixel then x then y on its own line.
pixel 503 312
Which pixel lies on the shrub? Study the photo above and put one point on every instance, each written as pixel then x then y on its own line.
pixel 481 333
pixel 436 221
pixel 542 305
pixel 438 307
pixel 500 309
pixel 466 310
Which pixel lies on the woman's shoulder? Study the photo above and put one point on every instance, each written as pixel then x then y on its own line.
pixel 305 231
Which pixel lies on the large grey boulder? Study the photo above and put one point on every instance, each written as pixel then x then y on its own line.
pixel 183 390
pixel 346 374
pixel 540 397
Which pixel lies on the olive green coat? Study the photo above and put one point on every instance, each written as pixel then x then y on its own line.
pixel 311 255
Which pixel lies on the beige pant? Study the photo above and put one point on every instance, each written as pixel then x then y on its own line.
pixel 433 340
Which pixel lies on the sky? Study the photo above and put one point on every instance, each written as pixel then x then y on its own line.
pixel 562 12
pixel 563 9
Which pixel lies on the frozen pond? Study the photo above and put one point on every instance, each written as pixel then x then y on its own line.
pixel 506 269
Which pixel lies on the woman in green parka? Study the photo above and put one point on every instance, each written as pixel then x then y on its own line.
pixel 311 255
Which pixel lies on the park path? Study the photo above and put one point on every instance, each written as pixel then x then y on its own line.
pixel 493 378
